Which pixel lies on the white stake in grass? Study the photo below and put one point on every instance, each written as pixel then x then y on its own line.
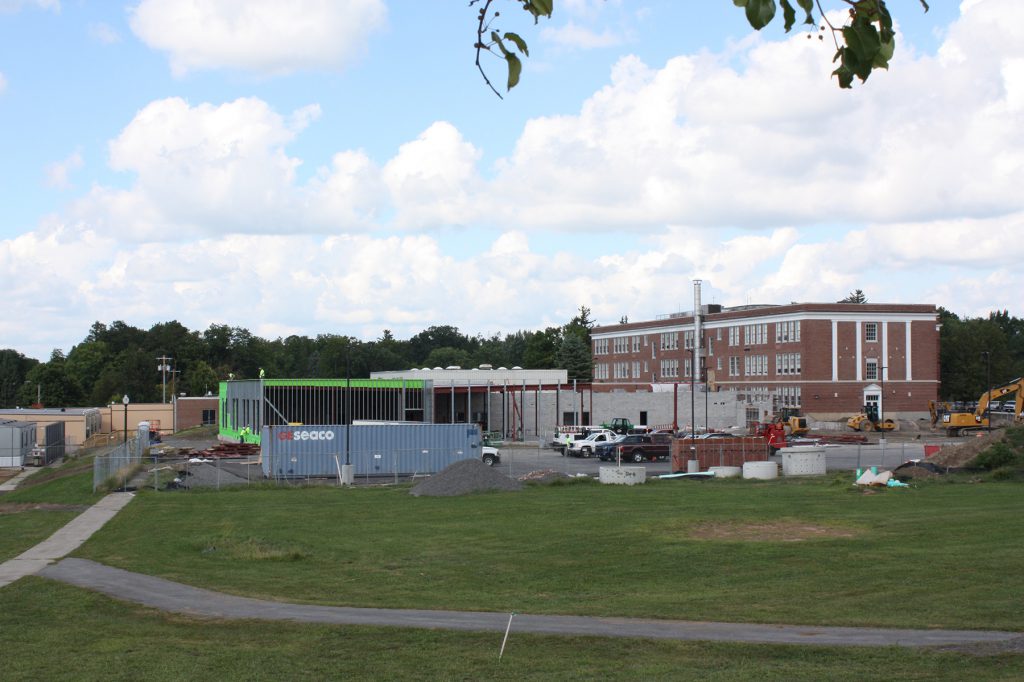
pixel 505 639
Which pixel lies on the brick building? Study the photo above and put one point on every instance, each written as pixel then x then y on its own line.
pixel 827 359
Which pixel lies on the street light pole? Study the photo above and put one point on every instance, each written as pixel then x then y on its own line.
pixel 125 401
pixel 693 397
pixel 348 471
pixel 163 367
pixel 881 401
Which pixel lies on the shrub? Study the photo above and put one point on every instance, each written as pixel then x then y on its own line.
pixel 1015 437
pixel 998 455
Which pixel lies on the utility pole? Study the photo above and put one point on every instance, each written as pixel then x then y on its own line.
pixel 163 368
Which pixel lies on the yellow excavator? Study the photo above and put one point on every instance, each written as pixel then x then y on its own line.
pixel 959 423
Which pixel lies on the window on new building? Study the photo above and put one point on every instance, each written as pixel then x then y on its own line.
pixel 871 370
pixel 787 332
pixel 871 331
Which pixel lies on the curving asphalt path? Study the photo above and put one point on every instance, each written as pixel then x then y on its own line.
pixel 193 601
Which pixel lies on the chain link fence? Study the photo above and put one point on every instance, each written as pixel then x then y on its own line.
pixel 403 466
pixel 317 468
pixel 115 466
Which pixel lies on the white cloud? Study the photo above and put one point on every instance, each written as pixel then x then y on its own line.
pixel 202 169
pixel 263 36
pixel 707 170
pixel 212 169
pixel 305 284
pixel 700 141
pixel 3 82
pixel 433 179
pixel 103 33
pixel 57 173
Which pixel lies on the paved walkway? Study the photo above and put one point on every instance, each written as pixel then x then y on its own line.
pixel 175 597
pixel 65 540
pixel 12 483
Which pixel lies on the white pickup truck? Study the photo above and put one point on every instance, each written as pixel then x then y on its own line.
pixel 586 447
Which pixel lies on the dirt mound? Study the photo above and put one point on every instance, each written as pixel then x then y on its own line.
pixel 960 455
pixel 917 471
pixel 544 476
pixel 768 531
pixel 464 477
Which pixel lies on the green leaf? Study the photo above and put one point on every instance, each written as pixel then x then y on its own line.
pixel 740 3
pixel 843 73
pixel 760 13
pixel 863 40
pixel 539 8
pixel 808 7
pixel 515 67
pixel 885 53
pixel 788 14
pixel 501 46
pixel 925 5
pixel 520 43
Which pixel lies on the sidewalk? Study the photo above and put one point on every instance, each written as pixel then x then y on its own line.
pixel 175 597
pixel 65 540
pixel 12 483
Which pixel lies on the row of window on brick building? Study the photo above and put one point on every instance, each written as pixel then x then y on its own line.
pixel 746 335
pixel 786 364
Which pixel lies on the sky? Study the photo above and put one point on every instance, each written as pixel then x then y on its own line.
pixel 340 166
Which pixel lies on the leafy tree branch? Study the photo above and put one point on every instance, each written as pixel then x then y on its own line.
pixel 864 42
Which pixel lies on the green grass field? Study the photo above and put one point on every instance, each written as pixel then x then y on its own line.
pixel 938 555
pixel 50 631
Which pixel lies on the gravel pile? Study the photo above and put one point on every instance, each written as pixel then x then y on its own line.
pixel 207 476
pixel 464 477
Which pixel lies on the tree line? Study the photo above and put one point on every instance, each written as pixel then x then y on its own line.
pixel 119 359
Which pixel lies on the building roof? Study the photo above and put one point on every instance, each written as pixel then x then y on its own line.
pixel 790 311
pixel 49 411
pixel 479 376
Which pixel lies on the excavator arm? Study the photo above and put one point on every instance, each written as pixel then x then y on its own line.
pixel 1015 386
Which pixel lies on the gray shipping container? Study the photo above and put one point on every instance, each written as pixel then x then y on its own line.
pixel 16 442
pixel 376 449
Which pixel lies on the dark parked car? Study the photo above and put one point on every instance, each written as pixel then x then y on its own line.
pixel 636 447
